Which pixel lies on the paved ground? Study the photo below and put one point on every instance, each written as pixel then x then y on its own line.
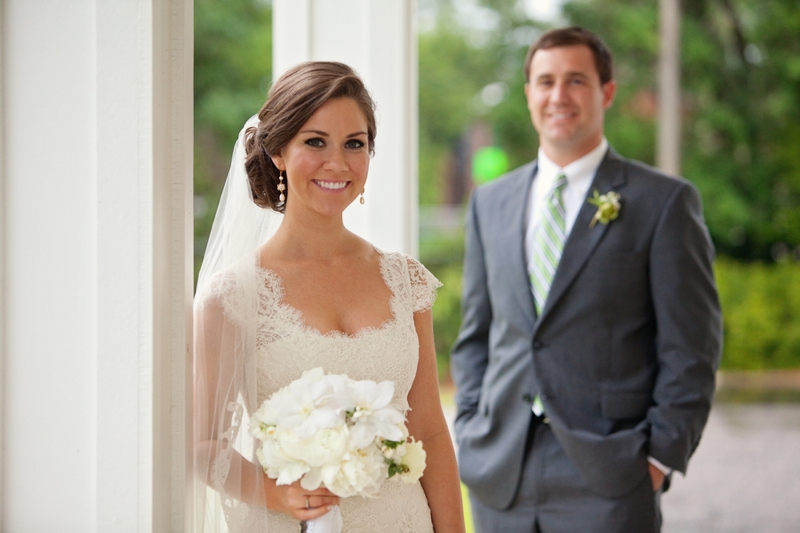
pixel 744 477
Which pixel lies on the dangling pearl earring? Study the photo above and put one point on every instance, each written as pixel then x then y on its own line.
pixel 281 186
pixel 362 196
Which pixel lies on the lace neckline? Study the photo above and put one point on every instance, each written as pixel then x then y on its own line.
pixel 274 283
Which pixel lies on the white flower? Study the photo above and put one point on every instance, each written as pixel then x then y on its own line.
pixel 331 430
pixel 325 446
pixel 360 474
pixel 278 465
pixel 300 405
pixel 373 416
pixel 608 207
pixel 413 461
pixel 260 430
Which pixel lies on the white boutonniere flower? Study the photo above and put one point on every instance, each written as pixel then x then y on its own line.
pixel 608 206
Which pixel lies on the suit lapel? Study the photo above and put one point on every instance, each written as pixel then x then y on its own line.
pixel 582 239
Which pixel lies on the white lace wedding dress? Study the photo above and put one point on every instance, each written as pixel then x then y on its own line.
pixel 286 347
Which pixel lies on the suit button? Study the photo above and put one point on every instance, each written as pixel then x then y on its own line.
pixel 538 345
pixel 543 396
pixel 527 397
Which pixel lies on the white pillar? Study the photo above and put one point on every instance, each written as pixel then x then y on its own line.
pixel 3 224
pixel 668 150
pixel 378 39
pixel 96 264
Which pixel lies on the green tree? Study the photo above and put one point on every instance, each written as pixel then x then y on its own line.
pixel 232 73
pixel 741 118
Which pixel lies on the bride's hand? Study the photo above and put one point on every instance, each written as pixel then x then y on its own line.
pixel 298 502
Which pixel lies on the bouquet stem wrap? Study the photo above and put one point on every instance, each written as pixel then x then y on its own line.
pixel 330 522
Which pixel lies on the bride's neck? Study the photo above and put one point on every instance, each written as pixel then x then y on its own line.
pixel 320 238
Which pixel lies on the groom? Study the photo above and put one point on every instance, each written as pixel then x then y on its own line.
pixel 591 331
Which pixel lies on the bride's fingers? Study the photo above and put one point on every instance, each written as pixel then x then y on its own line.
pixel 313 507
pixel 313 513
pixel 324 500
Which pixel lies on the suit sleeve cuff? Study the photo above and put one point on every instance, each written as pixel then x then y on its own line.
pixel 661 466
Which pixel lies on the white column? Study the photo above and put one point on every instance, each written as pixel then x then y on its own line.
pixel 3 224
pixel 97 116
pixel 668 150
pixel 378 39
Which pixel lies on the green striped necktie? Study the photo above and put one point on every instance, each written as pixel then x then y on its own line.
pixel 548 243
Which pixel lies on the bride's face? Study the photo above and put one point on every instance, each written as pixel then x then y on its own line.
pixel 326 163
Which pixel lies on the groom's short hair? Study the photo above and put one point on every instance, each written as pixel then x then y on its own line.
pixel 574 36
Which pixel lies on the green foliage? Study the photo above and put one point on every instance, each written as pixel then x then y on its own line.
pixel 447 313
pixel 445 103
pixel 443 255
pixel 232 72
pixel 741 117
pixel 761 313
pixel 233 63
pixel 456 62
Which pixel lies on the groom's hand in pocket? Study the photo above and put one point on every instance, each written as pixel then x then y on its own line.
pixel 656 476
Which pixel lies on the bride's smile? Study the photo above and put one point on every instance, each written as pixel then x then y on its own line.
pixel 332 185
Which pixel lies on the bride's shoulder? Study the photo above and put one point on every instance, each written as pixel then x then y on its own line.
pixel 422 282
pixel 229 286
pixel 416 270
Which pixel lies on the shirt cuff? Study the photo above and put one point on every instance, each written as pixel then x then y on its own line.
pixel 661 466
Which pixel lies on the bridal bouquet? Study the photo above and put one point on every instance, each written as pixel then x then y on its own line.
pixel 330 430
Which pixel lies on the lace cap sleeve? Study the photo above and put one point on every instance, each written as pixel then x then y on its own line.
pixel 231 289
pixel 423 285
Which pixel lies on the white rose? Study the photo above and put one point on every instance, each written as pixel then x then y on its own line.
pixel 279 465
pixel 414 460
pixel 325 446
pixel 360 474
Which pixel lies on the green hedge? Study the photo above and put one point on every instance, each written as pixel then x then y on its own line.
pixel 761 313
pixel 760 306
pixel 447 315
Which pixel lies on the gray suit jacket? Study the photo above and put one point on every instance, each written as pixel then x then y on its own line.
pixel 624 352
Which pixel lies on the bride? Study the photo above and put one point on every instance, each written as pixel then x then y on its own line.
pixel 311 294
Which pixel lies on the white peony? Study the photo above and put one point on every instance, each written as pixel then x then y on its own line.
pixel 413 461
pixel 325 446
pixel 360 474
pixel 303 405
pixel 278 465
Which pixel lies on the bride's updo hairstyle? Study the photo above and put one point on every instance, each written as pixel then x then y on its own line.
pixel 291 101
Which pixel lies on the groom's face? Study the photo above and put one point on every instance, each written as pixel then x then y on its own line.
pixel 567 102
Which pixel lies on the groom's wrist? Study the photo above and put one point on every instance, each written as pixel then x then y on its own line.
pixel 661 466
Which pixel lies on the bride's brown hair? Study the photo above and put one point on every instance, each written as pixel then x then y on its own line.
pixel 292 100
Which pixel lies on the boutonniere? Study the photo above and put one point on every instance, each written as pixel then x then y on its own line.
pixel 608 207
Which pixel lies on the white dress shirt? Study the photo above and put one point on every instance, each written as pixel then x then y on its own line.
pixel 580 174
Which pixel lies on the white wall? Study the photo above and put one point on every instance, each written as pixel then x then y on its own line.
pixel 49 388
pixel 378 39
pixel 96 255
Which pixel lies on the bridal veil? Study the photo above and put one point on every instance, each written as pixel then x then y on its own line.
pixel 227 484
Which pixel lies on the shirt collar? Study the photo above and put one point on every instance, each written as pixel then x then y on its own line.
pixel 579 169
